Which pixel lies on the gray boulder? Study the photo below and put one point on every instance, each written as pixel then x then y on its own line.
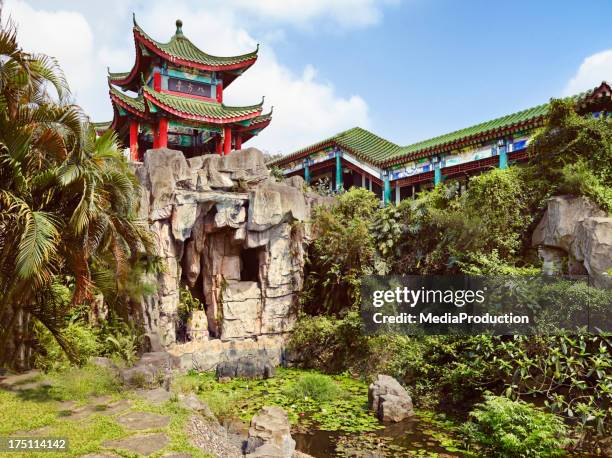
pixel 576 230
pixel 389 399
pixel 557 228
pixel 248 366
pixel 270 434
pixel 152 369
pixel 593 248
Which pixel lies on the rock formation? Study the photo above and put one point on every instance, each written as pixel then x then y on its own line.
pixel 573 229
pixel 389 399
pixel 270 434
pixel 234 236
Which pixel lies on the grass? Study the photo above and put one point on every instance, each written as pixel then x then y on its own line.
pixel 37 408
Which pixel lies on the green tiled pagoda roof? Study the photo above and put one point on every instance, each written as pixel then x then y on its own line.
pixel 378 151
pixel 117 76
pixel 504 122
pixel 262 118
pixel 102 125
pixel 191 107
pixel 137 103
pixel 180 47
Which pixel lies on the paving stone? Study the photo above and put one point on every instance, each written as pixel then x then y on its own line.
pixel 116 407
pixel 12 381
pixel 100 455
pixel 157 396
pixel 44 430
pixel 142 444
pixel 177 455
pixel 98 400
pixel 66 405
pixel 143 420
pixel 80 413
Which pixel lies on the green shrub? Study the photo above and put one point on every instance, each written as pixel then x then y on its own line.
pixel 328 343
pixel 317 387
pixel 81 338
pixel 515 429
pixel 120 341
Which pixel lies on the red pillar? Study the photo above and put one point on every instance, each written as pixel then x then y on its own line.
pixel 157 81
pixel 134 140
pixel 162 133
pixel 227 140
pixel 219 146
pixel 220 92
pixel 238 142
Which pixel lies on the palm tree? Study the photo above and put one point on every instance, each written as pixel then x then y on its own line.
pixel 67 203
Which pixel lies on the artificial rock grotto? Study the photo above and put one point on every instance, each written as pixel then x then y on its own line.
pixel 234 236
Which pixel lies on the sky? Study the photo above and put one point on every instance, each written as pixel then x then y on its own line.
pixel 407 70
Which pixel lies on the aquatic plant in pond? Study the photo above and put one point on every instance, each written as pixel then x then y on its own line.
pixel 331 403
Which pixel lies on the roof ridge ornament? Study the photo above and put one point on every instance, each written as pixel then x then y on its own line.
pixel 179 28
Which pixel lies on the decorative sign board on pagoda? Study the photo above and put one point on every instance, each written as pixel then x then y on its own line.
pixel 189 87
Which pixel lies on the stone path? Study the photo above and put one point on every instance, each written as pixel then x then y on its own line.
pixel 24 382
pixel 137 421
pixel 157 396
pixel 144 444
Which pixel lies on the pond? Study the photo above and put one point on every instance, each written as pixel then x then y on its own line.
pixel 329 415
pixel 414 437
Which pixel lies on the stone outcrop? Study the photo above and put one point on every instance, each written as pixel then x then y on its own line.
pixel 389 399
pixel 234 236
pixel 152 369
pixel 575 230
pixel 270 434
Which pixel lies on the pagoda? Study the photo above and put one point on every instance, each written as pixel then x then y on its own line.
pixel 177 99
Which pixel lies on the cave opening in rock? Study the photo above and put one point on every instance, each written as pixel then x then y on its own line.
pixel 250 264
pixel 191 298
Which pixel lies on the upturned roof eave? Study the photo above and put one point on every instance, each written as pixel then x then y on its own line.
pixel 241 61
pixel 151 96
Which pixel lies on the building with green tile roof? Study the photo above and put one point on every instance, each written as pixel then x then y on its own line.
pixel 173 96
pixel 358 157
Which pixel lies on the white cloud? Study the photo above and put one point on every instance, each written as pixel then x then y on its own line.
pixel 593 70
pixel 65 35
pixel 346 13
pixel 306 109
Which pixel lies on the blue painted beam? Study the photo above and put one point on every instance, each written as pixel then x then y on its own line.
pixel 339 179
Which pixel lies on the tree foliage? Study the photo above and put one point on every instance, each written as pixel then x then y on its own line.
pixel 67 202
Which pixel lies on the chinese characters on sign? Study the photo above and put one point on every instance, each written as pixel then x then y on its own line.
pixel 189 87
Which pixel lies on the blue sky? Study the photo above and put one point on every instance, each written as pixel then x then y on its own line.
pixel 406 69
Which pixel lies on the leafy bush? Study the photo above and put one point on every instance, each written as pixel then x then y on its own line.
pixel 328 343
pixel 578 178
pixel 342 248
pixel 513 429
pixel 81 338
pixel 317 387
pixel 571 153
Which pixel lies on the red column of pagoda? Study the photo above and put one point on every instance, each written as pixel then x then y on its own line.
pixel 219 146
pixel 238 141
pixel 134 140
pixel 162 133
pixel 220 92
pixel 227 140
